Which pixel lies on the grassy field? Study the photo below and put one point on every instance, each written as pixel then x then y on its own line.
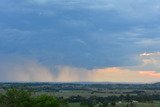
pixel 74 94
pixel 155 104
pixel 83 93
pixel 86 93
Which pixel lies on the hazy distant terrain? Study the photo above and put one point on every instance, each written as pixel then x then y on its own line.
pixel 83 94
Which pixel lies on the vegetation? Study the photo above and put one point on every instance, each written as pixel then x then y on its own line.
pixel 77 95
pixel 18 98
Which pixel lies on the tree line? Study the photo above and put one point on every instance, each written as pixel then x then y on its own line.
pixel 113 100
pixel 21 98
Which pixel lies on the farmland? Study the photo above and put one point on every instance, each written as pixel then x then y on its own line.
pixel 93 94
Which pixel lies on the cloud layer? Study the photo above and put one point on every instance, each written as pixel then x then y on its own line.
pixel 87 33
pixel 33 71
pixel 86 39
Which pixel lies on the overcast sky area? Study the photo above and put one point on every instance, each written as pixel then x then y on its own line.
pixel 80 40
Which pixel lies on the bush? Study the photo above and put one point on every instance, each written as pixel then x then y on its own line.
pixel 18 98
pixel 15 98
pixel 46 101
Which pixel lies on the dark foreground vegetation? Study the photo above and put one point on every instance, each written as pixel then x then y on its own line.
pixel 20 98
pixel 89 95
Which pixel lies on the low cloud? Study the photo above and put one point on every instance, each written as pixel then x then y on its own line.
pixel 151 74
pixel 33 72
pixel 24 70
pixel 150 61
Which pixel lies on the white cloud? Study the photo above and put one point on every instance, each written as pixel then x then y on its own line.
pixel 150 60
pixel 150 54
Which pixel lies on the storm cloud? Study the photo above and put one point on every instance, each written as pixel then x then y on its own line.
pixel 81 36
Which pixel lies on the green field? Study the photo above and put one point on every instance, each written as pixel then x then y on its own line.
pixel 92 95
pixel 155 104
pixel 83 93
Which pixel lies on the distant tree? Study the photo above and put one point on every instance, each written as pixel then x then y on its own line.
pixel 105 104
pixel 113 103
pixel 127 105
pixel 131 104
pixel 128 98
pixel 63 102
pixel 121 97
pixel 76 99
pixel 83 103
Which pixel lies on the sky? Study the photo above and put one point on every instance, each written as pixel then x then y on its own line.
pixel 79 40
